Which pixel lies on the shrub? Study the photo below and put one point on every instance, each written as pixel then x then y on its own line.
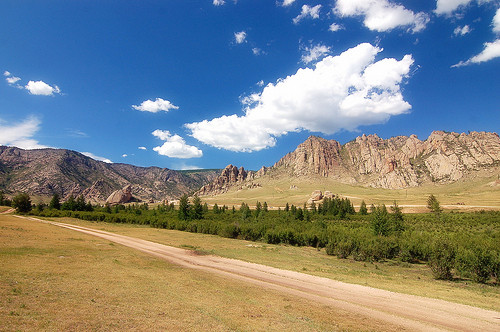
pixel 22 203
pixel 442 259
pixel 344 248
pixel 478 264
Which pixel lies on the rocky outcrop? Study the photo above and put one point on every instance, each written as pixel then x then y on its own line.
pixel 316 155
pixel 398 162
pixel 395 163
pixel 230 176
pixel 120 196
pixel 45 172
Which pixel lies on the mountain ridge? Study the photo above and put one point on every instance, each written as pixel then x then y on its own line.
pixel 48 171
pixel 370 161
pixel 395 163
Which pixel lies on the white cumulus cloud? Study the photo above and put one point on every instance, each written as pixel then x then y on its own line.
pixel 334 27
pixel 240 37
pixel 142 148
pixel 315 53
pixel 496 22
pixel 21 134
pixel 382 15
pixel 218 2
pixel 490 51
pixel 446 7
pixel 155 106
pixel 462 31
pixel 11 79
pixel 449 6
pixel 312 12
pixel 287 3
pixel 175 146
pixel 341 92
pixel 41 88
pixel 93 156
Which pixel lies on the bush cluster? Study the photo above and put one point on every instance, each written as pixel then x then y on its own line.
pixel 465 245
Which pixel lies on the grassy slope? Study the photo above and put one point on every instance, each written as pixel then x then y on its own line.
pixel 411 279
pixel 276 190
pixel 57 279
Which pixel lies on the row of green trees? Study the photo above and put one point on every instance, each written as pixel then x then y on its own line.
pixel 454 245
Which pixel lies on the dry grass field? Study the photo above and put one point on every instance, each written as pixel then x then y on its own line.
pixel 57 279
pixel 413 279
pixel 277 190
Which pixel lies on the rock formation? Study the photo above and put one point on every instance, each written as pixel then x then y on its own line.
pixel 395 163
pixel 398 162
pixel 120 196
pixel 229 177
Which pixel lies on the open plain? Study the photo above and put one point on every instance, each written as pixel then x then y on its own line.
pixel 359 304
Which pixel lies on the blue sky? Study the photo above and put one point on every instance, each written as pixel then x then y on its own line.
pixel 201 84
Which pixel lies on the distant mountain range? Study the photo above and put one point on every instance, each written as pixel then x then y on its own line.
pixel 395 163
pixel 45 172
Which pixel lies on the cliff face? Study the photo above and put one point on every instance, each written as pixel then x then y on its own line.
pixel 49 171
pixel 229 177
pixel 395 163
pixel 398 162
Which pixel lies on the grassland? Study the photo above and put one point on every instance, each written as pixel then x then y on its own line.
pixel 277 190
pixel 56 279
pixel 391 275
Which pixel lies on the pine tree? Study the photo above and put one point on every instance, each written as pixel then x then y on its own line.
pixel 184 208
pixel 380 221
pixel 258 209
pixel 55 202
pixel 197 209
pixel 80 204
pixel 397 217
pixel 433 204
pixel 70 204
pixel 362 209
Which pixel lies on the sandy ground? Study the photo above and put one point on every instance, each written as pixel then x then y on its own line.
pixel 407 311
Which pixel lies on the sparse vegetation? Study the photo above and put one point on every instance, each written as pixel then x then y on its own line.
pixel 471 249
pixel 58 280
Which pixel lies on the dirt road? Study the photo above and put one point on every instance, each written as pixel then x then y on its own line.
pixel 8 211
pixel 407 311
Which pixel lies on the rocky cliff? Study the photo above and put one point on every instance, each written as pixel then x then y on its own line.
pixel 48 171
pixel 398 162
pixel 395 163
pixel 229 177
